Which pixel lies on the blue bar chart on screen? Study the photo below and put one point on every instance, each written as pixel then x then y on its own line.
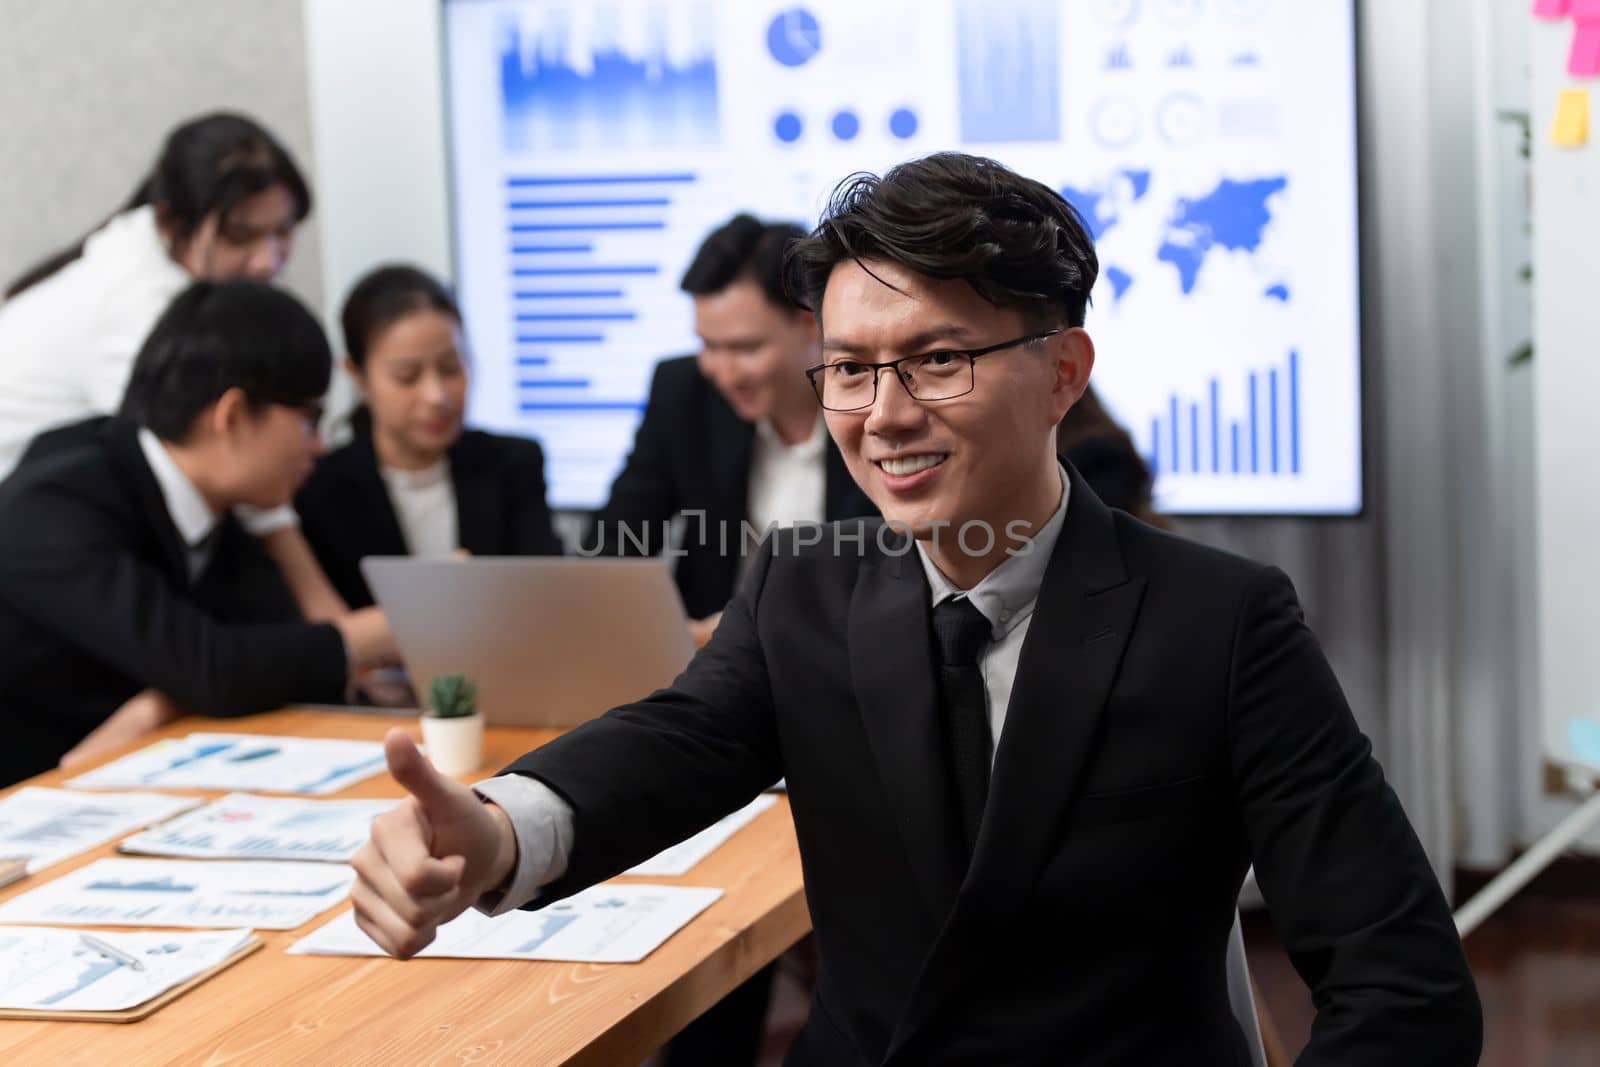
pixel 1209 149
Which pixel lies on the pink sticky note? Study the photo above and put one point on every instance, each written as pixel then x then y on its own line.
pixel 1584 59
pixel 1550 9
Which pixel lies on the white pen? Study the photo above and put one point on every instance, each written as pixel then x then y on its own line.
pixel 112 951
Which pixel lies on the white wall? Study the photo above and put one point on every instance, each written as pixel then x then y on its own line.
pixel 1566 244
pixel 90 88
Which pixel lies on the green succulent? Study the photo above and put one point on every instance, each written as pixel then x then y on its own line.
pixel 451 696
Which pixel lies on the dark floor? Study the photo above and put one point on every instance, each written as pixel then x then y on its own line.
pixel 1537 962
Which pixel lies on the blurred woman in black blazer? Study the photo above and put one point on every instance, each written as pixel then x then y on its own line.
pixel 414 481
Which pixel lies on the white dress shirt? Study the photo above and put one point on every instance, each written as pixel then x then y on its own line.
pixel 788 483
pixel 543 822
pixel 67 344
pixel 1006 597
pixel 193 517
pixel 425 504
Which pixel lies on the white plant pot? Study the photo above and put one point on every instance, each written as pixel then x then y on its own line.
pixel 455 746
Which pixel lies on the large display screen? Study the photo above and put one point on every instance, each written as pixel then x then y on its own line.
pixel 1209 144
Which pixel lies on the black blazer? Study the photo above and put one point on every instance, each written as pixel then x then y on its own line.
pixel 692 454
pixel 1172 721
pixel 96 604
pixel 347 515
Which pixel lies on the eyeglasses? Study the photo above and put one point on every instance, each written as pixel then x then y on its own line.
pixel 850 385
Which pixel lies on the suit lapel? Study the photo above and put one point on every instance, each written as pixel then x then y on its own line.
pixel 122 438
pixel 840 495
pixel 480 508
pixel 730 441
pixel 1087 608
pixel 891 663
pixel 369 503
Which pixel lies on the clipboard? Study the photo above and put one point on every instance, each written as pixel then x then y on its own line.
pixel 138 1011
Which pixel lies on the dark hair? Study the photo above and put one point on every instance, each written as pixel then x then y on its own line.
pixel 217 336
pixel 1016 241
pixel 384 297
pixel 744 247
pixel 209 164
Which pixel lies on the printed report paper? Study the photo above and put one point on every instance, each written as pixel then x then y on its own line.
pixel 256 762
pixel 243 826
pixel 602 924
pixel 190 893
pixel 46 826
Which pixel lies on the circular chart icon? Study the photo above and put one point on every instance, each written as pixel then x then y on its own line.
pixel 787 127
pixel 1114 121
pixel 1117 12
pixel 903 123
pixel 793 37
pixel 846 125
pixel 1180 118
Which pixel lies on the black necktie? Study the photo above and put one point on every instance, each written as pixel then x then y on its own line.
pixel 962 633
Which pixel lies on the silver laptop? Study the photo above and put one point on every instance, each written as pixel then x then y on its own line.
pixel 549 641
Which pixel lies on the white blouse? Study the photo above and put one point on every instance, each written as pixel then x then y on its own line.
pixel 425 503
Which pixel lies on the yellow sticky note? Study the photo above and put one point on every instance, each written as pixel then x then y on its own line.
pixel 1571 129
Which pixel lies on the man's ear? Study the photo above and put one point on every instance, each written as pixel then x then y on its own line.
pixel 227 417
pixel 1073 353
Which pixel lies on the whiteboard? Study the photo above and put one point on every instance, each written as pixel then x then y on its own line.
pixel 1209 144
pixel 1566 267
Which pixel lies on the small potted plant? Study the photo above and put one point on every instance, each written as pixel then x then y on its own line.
pixel 452 725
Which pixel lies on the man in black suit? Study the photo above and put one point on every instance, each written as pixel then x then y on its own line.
pixel 732 437
pixel 128 591
pixel 1030 751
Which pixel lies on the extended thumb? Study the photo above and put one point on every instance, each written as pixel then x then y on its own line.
pixel 414 773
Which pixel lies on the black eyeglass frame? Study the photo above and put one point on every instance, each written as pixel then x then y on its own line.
pixel 971 354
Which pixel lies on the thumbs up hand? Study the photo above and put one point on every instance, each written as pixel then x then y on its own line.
pixel 429 858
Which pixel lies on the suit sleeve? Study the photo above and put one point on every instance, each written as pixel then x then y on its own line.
pixel 647 775
pixel 69 570
pixel 645 496
pixel 533 531
pixel 1347 882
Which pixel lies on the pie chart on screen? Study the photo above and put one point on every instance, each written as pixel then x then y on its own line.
pixel 793 37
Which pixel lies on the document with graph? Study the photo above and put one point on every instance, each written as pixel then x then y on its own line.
pixel 46 826
pixel 56 972
pixel 190 893
pixel 603 924
pixel 256 762
pixel 246 827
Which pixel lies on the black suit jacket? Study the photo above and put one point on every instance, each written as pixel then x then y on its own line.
pixel 347 515
pixel 96 604
pixel 692 454
pixel 1172 721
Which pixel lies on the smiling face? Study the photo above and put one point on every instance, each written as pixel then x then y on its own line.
pixel 754 352
pixel 988 456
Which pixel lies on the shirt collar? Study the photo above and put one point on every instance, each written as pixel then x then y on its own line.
pixel 810 448
pixel 190 513
pixel 1007 594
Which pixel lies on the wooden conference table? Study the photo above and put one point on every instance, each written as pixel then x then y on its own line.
pixel 275 1008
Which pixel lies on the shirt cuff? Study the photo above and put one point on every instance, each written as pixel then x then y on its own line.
pixel 542 823
pixel 264 523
